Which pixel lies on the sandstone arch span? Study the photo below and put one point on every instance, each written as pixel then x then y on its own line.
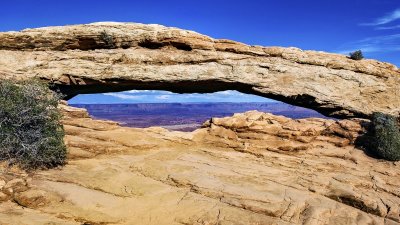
pixel 103 57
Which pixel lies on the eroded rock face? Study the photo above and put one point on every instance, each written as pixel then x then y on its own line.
pixel 252 168
pixel 12 183
pixel 255 131
pixel 81 59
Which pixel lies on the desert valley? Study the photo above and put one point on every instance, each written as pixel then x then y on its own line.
pixel 185 116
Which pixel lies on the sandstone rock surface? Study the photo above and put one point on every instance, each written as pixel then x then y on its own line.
pixel 103 57
pixel 251 168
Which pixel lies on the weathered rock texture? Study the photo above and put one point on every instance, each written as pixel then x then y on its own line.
pixel 103 57
pixel 252 168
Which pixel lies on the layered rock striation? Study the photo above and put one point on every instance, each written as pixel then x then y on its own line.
pixel 103 57
pixel 252 168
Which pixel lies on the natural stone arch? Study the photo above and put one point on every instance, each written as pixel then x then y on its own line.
pixel 77 60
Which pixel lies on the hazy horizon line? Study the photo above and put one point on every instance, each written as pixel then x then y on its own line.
pixel 275 102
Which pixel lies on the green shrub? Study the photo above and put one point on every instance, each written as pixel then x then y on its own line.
pixel 357 55
pixel 30 131
pixel 384 132
pixel 107 39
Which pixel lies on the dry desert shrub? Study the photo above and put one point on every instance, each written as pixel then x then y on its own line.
pixel 357 55
pixel 31 134
pixel 384 132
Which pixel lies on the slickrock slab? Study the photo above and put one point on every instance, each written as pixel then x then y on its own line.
pixel 252 168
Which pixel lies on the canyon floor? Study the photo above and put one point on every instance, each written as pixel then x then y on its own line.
pixel 252 168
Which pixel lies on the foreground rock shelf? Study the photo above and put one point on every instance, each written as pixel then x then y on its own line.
pixel 252 168
pixel 102 57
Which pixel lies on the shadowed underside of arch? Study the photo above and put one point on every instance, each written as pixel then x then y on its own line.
pixel 106 57
pixel 209 86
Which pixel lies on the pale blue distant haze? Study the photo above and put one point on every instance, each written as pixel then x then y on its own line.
pixel 337 26
pixel 151 96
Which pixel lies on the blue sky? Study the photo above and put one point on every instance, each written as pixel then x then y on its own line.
pixel 334 26
pixel 152 96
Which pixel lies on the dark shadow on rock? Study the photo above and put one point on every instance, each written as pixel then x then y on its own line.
pixel 365 140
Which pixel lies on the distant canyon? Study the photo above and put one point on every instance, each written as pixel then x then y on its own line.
pixel 186 116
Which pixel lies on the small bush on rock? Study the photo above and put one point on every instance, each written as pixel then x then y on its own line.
pixel 30 131
pixel 107 39
pixel 357 55
pixel 384 132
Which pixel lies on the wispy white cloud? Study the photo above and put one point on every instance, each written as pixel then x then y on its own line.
pixel 386 43
pixel 228 92
pixel 138 91
pixel 163 97
pixel 393 16
pixel 388 28
pixel 146 92
pixel 124 96
pixel 154 96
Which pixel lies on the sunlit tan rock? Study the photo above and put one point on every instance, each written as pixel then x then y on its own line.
pixel 78 60
pixel 251 168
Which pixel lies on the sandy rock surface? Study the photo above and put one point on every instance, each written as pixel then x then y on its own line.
pixel 252 168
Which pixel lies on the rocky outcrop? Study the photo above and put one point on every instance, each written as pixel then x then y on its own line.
pixel 257 130
pixel 104 57
pixel 252 168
